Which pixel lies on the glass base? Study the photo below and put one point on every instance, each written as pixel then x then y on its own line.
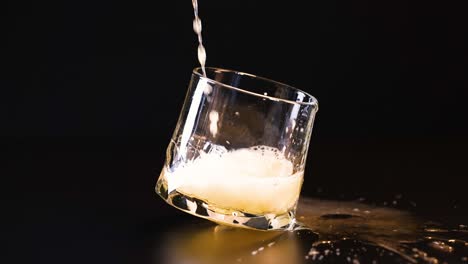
pixel 224 216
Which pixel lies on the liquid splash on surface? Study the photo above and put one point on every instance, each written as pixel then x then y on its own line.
pixel 328 232
pixel 364 233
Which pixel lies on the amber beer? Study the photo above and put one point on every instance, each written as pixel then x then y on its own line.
pixel 254 180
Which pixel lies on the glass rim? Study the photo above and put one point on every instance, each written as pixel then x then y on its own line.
pixel 197 71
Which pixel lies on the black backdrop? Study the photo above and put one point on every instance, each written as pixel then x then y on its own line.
pixel 93 89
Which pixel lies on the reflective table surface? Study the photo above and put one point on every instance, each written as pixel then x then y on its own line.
pixel 95 203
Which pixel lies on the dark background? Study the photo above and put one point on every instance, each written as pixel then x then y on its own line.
pixel 93 89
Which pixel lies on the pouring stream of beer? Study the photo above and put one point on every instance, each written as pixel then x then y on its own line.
pixel 197 27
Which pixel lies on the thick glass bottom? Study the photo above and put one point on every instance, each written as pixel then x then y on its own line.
pixel 224 216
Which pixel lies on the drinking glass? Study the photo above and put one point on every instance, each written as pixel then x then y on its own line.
pixel 238 152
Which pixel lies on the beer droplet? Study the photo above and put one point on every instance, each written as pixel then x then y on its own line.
pixel 197 26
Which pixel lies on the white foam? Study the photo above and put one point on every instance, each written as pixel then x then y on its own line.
pixel 254 180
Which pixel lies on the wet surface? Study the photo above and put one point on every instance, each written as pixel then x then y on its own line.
pixel 336 232
pixel 95 203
